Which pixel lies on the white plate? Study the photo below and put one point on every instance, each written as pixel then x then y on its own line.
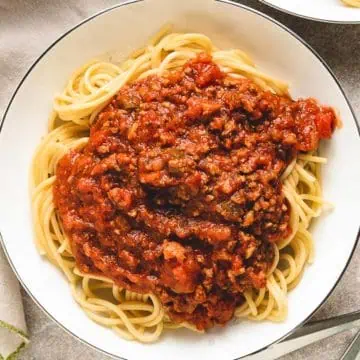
pixel 322 10
pixel 125 27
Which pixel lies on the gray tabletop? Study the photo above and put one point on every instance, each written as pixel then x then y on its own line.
pixel 339 45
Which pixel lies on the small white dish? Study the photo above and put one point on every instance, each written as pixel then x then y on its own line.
pixel 333 11
pixel 117 31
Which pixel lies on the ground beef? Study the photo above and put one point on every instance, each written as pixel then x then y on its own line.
pixel 178 190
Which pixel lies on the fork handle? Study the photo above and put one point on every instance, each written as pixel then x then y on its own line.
pixel 353 351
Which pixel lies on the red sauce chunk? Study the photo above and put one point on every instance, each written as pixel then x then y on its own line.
pixel 178 190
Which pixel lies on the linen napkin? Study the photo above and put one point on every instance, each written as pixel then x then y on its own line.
pixel 27 28
pixel 12 322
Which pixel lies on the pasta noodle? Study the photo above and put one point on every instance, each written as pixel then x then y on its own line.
pixel 89 89
pixel 353 3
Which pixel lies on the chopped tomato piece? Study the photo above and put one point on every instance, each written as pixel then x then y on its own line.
pixel 325 123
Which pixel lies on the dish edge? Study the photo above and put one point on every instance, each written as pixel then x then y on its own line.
pixel 326 21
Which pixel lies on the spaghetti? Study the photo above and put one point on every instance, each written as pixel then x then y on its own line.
pixel 353 3
pixel 89 90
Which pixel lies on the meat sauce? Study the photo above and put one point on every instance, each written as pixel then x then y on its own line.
pixel 178 190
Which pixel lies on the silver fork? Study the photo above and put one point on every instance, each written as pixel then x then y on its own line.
pixel 353 351
pixel 313 332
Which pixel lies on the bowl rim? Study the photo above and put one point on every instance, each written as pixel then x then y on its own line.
pixel 306 17
pixel 231 3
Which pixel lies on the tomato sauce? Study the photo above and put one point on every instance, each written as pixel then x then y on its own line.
pixel 178 190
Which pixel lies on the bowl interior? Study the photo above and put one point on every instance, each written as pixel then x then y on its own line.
pixel 114 34
pixel 323 10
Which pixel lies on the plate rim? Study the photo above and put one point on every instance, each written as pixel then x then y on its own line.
pixel 231 3
pixel 321 20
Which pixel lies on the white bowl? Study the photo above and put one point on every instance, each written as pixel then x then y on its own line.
pixel 123 28
pixel 334 11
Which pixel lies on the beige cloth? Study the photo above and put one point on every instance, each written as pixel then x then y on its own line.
pixel 12 322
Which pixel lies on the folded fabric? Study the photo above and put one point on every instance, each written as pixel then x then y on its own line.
pixel 12 321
